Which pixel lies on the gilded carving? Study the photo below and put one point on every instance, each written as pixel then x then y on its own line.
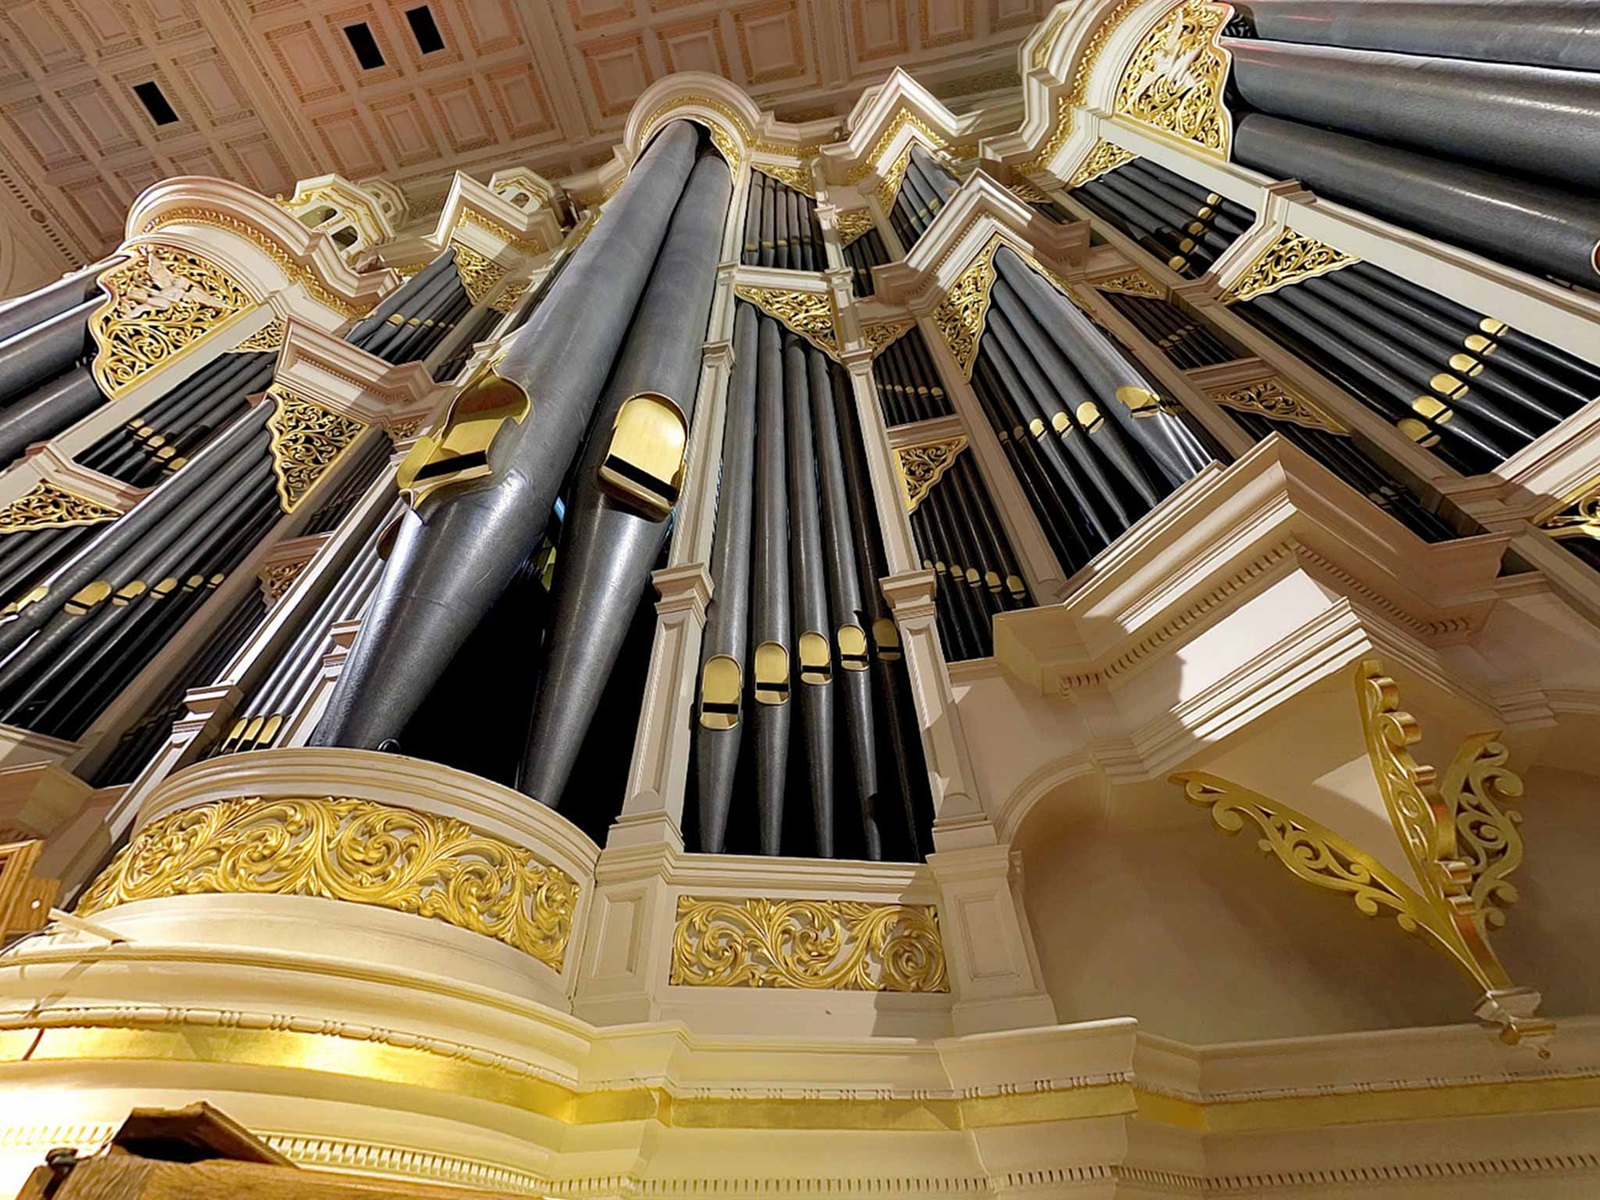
pixel 49 506
pixel 853 223
pixel 307 440
pixel 879 334
pixel 478 272
pixel 1460 839
pixel 720 138
pixel 1079 92
pixel 507 300
pixel 889 183
pixel 923 465
pixel 1052 144
pixel 1130 283
pixel 268 337
pixel 1275 399
pixel 1289 259
pixel 1027 193
pixel 277 578
pixel 959 317
pixel 505 233
pixel 162 301
pixel 1578 516
pixel 1175 78
pixel 841 945
pixel 352 850
pixel 1105 156
pixel 798 178
pixel 810 314
pixel 1045 40
pixel 901 120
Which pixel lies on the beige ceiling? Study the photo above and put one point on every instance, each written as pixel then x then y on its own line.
pixel 269 91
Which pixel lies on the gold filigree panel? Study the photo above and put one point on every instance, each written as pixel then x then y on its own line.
pixel 1174 81
pixel 1578 516
pixel 278 578
pixel 921 466
pixel 879 334
pixel 352 850
pixel 307 441
pixel 959 317
pixel 1275 399
pixel 268 337
pixel 838 945
pixel 507 300
pixel 478 272
pixel 48 506
pixel 798 178
pixel 1105 156
pixel 1289 259
pixel 1130 283
pixel 853 223
pixel 162 302
pixel 810 314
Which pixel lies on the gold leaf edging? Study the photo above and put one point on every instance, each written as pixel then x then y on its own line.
pixel 352 850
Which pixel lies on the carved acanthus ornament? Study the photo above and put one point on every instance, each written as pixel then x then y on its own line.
pixel 1461 841
pixel 798 178
pixel 853 223
pixel 162 302
pixel 49 506
pixel 1175 79
pixel 921 466
pixel 1578 516
pixel 841 945
pixel 959 317
pixel 879 334
pixel 268 337
pixel 1105 156
pixel 810 314
pixel 307 441
pixel 1289 259
pixel 351 850
pixel 1130 283
pixel 277 578
pixel 478 272
pixel 1275 399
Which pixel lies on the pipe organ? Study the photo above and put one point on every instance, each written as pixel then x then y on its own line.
pixel 761 590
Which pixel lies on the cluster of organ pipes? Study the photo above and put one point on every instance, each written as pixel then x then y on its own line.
pixel 780 227
pixel 908 382
pixel 1179 222
pixel 798 645
pixel 1458 120
pixel 861 253
pixel 924 189
pixel 1182 337
pixel 45 350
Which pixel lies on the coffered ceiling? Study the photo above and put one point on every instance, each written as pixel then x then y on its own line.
pixel 270 91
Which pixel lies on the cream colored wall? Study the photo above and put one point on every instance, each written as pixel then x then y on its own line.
pixel 1204 939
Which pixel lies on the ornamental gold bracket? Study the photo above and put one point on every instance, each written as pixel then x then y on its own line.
pixel 1277 400
pixel 879 335
pixel 960 316
pixel 809 314
pixel 1290 258
pixel 1103 158
pixel 922 465
pixel 1174 81
pixel 853 223
pixel 49 506
pixel 1577 516
pixel 308 441
pixel 1461 838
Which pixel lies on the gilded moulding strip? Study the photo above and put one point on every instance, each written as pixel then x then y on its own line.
pixel 1174 81
pixel 1276 400
pixel 308 440
pixel 50 507
pixel 725 145
pixel 901 120
pixel 162 302
pixel 809 314
pixel 351 850
pixel 1103 158
pixel 1104 28
pixel 1290 258
pixel 842 945
pixel 1460 840
pixel 921 466
pixel 1052 144
pixel 505 233
pixel 959 317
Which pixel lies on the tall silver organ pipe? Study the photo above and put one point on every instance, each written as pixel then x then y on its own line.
pixel 485 484
pixel 770 629
pixel 627 482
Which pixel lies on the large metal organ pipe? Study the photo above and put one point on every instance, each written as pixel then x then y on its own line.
pixel 485 485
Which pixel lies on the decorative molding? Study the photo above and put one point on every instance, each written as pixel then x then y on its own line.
pixel 923 464
pixel 1174 81
pixel 1059 134
pixel 50 506
pixel 902 120
pixel 853 223
pixel 1045 37
pixel 357 851
pixel 880 334
pixel 1290 258
pixel 1454 886
pixel 1078 93
pixel 523 245
pixel 1103 157
pixel 728 148
pixel 959 317
pixel 478 273
pixel 845 945
pixel 307 441
pixel 809 314
pixel 162 302
pixel 1278 401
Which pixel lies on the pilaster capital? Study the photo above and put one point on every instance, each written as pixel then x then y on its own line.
pixel 684 591
pixel 910 595
pixel 717 353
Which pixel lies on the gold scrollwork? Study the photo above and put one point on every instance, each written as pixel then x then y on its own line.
pixel 1289 259
pixel 879 334
pixel 1460 840
pixel 726 146
pixel 922 465
pixel 162 301
pixel 353 850
pixel 840 945
pixel 1130 283
pixel 49 506
pixel 278 578
pixel 505 233
pixel 853 223
pixel 1079 92
pixel 1175 78
pixel 307 441
pixel 507 300
pixel 1275 399
pixel 268 337
pixel 798 178
pixel 1578 516
pixel 959 317
pixel 889 183
pixel 478 272
pixel 810 314
pixel 1105 156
